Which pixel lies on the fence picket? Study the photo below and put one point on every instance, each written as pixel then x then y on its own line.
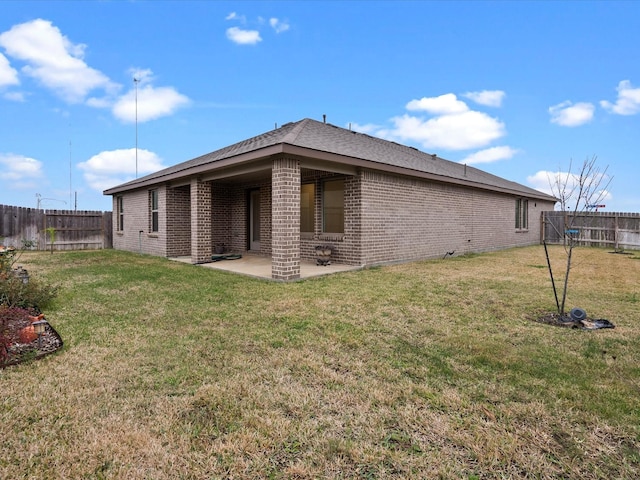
pixel 619 230
pixel 74 230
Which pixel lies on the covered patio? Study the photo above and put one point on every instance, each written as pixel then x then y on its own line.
pixel 259 266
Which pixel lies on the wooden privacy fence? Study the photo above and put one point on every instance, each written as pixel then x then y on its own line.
pixel 73 230
pixel 595 229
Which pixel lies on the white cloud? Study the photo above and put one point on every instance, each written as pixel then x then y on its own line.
pixel 18 168
pixel 103 102
pixel 628 102
pixel 489 98
pixel 243 37
pixel 278 25
pixel 53 60
pixel 113 167
pixel 144 76
pixel 547 182
pixel 460 131
pixel 490 155
pixel 567 114
pixel 235 16
pixel 152 102
pixel 14 96
pixel 368 128
pixel 442 105
pixel 449 124
pixel 8 74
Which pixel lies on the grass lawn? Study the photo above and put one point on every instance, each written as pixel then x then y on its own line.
pixel 430 369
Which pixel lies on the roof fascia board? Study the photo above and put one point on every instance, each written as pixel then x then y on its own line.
pixel 199 169
pixel 253 167
pixel 313 164
pixel 318 156
pixel 309 158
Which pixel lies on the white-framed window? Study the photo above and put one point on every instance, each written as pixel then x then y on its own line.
pixel 522 214
pixel 153 210
pixel 120 212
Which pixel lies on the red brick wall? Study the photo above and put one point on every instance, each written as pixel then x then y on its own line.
pixel 406 219
pixel 388 218
pixel 178 208
pixel 346 246
pixel 137 213
pixel 285 218
pixel 221 214
pixel 201 228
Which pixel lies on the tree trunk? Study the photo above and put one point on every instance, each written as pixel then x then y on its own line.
pixel 566 278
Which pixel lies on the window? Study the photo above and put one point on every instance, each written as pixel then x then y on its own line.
pixel 307 207
pixel 522 214
pixel 333 206
pixel 153 207
pixel 120 213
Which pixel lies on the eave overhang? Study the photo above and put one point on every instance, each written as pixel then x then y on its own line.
pixel 259 160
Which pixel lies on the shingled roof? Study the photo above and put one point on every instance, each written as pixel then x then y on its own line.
pixel 345 146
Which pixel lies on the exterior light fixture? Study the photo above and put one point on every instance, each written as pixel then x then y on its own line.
pixel 39 328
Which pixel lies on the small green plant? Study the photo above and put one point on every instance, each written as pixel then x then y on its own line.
pixel 7 259
pixel 14 290
pixel 28 244
pixel 9 255
pixel 52 236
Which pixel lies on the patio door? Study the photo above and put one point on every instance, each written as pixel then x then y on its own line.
pixel 254 220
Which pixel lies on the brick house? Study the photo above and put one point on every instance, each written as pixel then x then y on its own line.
pixel 309 183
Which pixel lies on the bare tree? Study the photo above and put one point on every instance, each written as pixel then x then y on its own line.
pixel 578 193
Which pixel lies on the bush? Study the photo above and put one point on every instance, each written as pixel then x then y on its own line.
pixel 8 256
pixel 34 294
pixel 5 341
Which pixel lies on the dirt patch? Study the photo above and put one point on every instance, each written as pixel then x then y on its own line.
pixel 565 321
pixel 24 345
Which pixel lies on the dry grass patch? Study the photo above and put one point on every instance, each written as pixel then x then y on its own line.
pixel 424 370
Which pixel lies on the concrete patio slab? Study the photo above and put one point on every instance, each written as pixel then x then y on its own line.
pixel 260 267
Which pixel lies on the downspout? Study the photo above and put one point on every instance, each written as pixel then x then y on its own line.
pixel 140 241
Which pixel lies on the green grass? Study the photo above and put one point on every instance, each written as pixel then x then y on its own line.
pixel 425 370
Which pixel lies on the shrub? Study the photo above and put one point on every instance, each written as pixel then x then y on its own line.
pixel 34 294
pixel 8 256
pixel 4 338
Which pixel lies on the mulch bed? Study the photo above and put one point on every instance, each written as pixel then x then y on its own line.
pixel 20 351
pixel 566 321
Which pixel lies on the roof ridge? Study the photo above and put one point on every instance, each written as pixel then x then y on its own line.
pixel 313 135
pixel 292 135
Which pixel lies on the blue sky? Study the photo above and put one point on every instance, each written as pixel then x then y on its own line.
pixel 519 89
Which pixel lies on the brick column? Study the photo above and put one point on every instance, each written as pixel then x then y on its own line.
pixel 285 218
pixel 200 221
pixel 353 218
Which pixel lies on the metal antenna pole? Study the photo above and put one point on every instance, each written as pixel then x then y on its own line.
pixel 70 175
pixel 135 81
